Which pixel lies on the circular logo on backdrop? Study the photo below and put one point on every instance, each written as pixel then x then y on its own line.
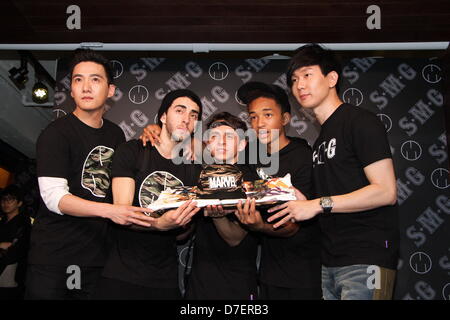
pixel 431 73
pixel 420 262
pixel 446 292
pixel 117 68
pixel 411 150
pixel 386 120
pixel 238 100
pixel 353 96
pixel 138 94
pixel 440 178
pixel 218 71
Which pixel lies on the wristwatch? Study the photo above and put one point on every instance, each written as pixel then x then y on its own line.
pixel 326 203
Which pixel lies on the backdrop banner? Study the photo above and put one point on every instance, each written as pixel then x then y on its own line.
pixel 404 93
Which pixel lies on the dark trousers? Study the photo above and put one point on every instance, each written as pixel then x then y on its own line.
pixel 269 292
pixel 56 283
pixel 113 289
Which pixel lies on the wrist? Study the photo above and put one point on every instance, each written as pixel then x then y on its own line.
pixel 326 205
pixel 106 211
pixel 262 227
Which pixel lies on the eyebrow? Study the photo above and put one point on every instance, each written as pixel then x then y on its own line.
pixel 265 109
pixel 91 75
pixel 305 69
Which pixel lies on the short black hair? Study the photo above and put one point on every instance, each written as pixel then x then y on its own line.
pixel 311 55
pixel 227 119
pixel 88 55
pixel 172 96
pixel 12 191
pixel 254 89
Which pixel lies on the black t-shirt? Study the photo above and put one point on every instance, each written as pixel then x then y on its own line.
pixel 351 139
pixel 293 262
pixel 146 258
pixel 219 271
pixel 70 149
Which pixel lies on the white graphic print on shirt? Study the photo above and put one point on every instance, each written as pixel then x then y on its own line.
pixel 154 184
pixel 325 149
pixel 96 175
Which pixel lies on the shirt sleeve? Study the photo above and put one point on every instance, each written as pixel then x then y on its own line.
pixel 302 177
pixel 369 139
pixel 52 190
pixel 52 154
pixel 125 160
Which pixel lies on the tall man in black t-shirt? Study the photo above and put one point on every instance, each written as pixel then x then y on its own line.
pixel 290 256
pixel 142 264
pixel 354 182
pixel 74 154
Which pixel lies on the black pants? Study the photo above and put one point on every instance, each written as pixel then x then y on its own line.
pixel 51 283
pixel 269 292
pixel 113 289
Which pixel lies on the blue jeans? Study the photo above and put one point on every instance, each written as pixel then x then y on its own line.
pixel 357 282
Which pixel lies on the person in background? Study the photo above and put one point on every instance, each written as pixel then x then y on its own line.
pixel 14 241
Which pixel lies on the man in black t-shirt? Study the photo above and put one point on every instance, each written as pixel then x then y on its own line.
pixel 142 263
pixel 224 255
pixel 290 256
pixel 74 154
pixel 354 183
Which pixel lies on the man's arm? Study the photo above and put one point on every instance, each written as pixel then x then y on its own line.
pixel 123 193
pixel 381 191
pixel 250 217
pixel 231 232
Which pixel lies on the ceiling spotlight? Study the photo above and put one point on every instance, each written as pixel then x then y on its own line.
pixel 40 93
pixel 19 75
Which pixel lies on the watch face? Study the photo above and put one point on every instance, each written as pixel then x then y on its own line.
pixel 326 202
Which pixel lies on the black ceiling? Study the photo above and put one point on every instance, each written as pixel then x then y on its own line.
pixel 225 21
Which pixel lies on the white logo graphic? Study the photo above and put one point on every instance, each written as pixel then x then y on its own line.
pixel 386 120
pixel 411 150
pixel 74 20
pixel 353 96
pixel 218 71
pixel 117 67
pixel 238 100
pixel 74 280
pixel 440 178
pixel 138 94
pixel 154 184
pixel 374 21
pixel 96 173
pixel 431 73
pixel 59 113
pixel 446 292
pixel 420 262
pixel 183 257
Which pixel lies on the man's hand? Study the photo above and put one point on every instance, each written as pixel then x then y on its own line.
pixel 298 194
pixel 151 134
pixel 177 218
pixel 216 211
pixel 127 215
pixel 297 210
pixel 249 216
